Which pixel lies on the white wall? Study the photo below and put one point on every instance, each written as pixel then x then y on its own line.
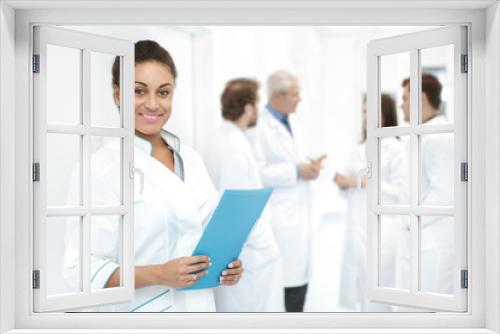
pixel 492 153
pixel 7 175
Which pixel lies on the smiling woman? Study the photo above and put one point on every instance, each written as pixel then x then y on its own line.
pixel 166 227
pixel 155 75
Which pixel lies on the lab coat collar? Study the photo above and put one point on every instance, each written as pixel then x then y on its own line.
pixel 276 124
pixel 439 119
pixel 173 142
pixel 276 114
pixel 231 125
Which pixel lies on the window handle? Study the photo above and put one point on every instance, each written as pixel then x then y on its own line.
pixel 361 172
pixel 133 171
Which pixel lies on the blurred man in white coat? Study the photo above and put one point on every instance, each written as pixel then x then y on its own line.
pixel 231 165
pixel 436 155
pixel 284 168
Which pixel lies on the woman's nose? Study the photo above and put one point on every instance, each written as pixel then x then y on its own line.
pixel 151 102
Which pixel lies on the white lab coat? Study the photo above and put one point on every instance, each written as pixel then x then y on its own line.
pixel 437 248
pixel 169 217
pixel 278 154
pixel 353 283
pixel 231 165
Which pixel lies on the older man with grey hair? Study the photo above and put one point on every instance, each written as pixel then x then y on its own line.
pixel 283 166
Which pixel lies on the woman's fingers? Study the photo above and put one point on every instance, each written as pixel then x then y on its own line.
pixel 195 267
pixel 232 275
pixel 190 260
pixel 230 279
pixel 235 264
pixel 191 279
pixel 235 271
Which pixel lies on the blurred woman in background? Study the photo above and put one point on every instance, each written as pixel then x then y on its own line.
pixel 354 262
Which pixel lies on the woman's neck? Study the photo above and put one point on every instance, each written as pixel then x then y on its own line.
pixel 155 139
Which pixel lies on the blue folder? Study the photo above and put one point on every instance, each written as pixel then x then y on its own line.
pixel 227 231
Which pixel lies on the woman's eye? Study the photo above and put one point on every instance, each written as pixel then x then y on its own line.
pixel 139 92
pixel 164 93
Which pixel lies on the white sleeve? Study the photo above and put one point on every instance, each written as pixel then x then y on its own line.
pixel 277 175
pixel 104 239
pixel 273 175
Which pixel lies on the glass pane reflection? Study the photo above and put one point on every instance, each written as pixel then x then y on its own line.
pixel 63 85
pixel 104 110
pixel 437 85
pixel 436 169
pixel 394 69
pixel 394 251
pixel 437 247
pixel 63 255
pixel 105 245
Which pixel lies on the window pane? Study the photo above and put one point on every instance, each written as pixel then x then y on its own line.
pixel 106 171
pixel 437 85
pixel 106 249
pixel 437 247
pixel 436 169
pixel 394 251
pixel 63 170
pixel 104 110
pixel 394 171
pixel 63 255
pixel 394 69
pixel 63 85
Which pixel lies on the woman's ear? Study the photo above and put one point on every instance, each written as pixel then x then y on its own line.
pixel 116 95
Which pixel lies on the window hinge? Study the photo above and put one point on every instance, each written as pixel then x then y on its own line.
pixel 36 63
pixel 36 172
pixel 36 279
pixel 464 171
pixel 465 64
pixel 464 279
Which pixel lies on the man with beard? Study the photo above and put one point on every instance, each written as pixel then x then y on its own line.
pixel 437 249
pixel 231 165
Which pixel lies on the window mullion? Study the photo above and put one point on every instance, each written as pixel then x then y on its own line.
pixel 414 169
pixel 85 103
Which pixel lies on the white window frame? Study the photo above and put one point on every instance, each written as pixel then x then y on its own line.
pixel 412 44
pixel 483 123
pixel 87 43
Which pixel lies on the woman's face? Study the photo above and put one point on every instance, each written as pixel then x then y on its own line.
pixel 154 89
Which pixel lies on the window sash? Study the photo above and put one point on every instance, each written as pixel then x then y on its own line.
pixel 86 43
pixel 412 43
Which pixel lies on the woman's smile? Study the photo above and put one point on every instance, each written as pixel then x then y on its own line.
pixel 151 118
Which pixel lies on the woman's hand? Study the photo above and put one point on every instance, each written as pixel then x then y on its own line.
pixel 182 272
pixel 341 181
pixel 232 275
pixel 346 182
